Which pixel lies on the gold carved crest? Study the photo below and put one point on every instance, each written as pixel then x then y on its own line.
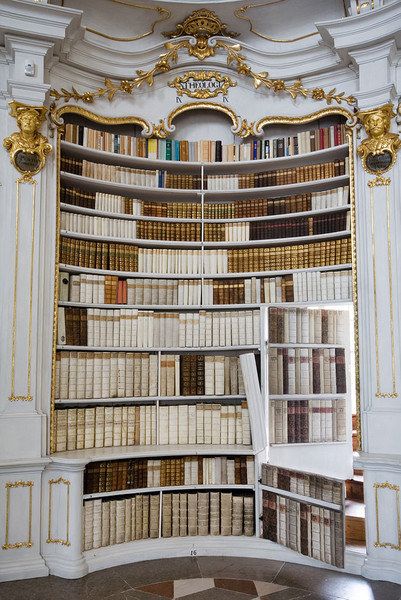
pixel 202 84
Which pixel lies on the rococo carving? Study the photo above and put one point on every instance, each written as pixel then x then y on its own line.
pixel 27 147
pixel 379 150
pixel 202 25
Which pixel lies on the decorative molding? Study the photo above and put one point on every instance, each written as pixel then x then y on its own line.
pixel 28 396
pixel 235 60
pixel 379 150
pixel 50 539
pixel 202 25
pixel 202 84
pixel 27 148
pixel 380 181
pixel 240 13
pixel 272 120
pixel 28 543
pixel 396 489
pixel 164 15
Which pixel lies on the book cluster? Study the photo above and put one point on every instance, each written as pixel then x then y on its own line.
pixel 240 209
pixel 205 150
pixel 313 529
pixel 134 473
pixel 303 325
pixel 133 328
pixel 307 371
pixel 129 258
pixel 159 178
pixel 108 522
pixel 298 287
pixel 107 426
pixel 108 375
pixel 307 421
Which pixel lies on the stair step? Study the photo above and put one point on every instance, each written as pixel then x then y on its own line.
pixel 354 509
pixel 354 489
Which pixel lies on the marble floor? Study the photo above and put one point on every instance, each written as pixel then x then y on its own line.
pixel 205 578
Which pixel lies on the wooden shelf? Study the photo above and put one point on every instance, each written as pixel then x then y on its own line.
pixel 152 399
pixel 171 488
pixel 113 453
pixel 316 157
pixel 300 397
pixel 177 350
pixel 300 498
pixel 337 304
pixel 244 275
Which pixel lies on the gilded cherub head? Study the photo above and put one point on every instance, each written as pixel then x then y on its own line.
pixel 377 121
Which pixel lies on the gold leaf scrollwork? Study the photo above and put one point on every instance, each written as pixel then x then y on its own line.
pixel 27 147
pixel 219 84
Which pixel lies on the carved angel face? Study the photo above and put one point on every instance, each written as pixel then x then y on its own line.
pixel 29 121
pixel 376 125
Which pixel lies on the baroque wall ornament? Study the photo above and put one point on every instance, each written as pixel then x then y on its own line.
pixel 379 150
pixel 202 84
pixel 202 25
pixel 202 29
pixel 27 147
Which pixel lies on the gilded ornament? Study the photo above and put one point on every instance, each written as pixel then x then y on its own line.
pixel 202 25
pixel 379 150
pixel 27 147
pixel 202 84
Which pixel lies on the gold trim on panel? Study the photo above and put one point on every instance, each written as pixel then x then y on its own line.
pixel 281 119
pixel 379 393
pixel 240 14
pixel 51 540
pixel 160 10
pixel 57 113
pixel 354 274
pixel 396 489
pixel 28 396
pixel 202 106
pixel 28 543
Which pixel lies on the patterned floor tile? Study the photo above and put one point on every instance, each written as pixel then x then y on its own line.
pixel 183 587
pixel 165 589
pixel 237 585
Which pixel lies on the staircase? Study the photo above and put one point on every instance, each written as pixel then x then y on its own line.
pixel 354 503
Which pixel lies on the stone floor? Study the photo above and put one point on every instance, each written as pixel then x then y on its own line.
pixel 205 578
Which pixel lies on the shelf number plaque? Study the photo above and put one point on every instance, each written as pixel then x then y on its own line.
pixel 202 84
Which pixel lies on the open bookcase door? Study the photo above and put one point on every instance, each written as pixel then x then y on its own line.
pixel 304 512
pixel 255 401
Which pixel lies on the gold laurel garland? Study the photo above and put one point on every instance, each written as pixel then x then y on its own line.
pixel 235 60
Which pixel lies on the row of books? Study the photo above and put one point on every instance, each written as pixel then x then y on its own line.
pixel 99 226
pixel 133 328
pixel 87 375
pixel 307 421
pixel 108 522
pixel 134 473
pixel 307 371
pixel 124 257
pixel 206 150
pixel 305 484
pixel 107 426
pixel 304 325
pixel 311 530
pixel 255 207
pixel 159 178
pixel 277 177
pixel 298 287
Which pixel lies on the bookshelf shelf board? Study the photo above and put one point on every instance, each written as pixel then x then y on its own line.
pixel 166 307
pixel 193 350
pixel 175 195
pixel 316 157
pixel 72 208
pixel 127 217
pixel 148 243
pixel 114 158
pixel 136 274
pixel 148 399
pixel 141 243
pixel 285 241
pixel 291 397
pixel 171 488
pixel 120 452
pixel 311 303
pixel 303 345
pixel 277 191
pixel 134 191
pixel 296 444
pixel 307 499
